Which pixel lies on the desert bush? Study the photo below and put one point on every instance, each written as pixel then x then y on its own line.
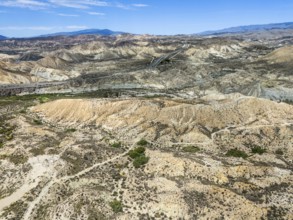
pixel 191 149
pixel 38 122
pixel 116 206
pixel 70 130
pixel 138 156
pixel 279 152
pixel 116 145
pixel 140 161
pixel 258 150
pixel 236 153
pixel 18 159
pixel 142 142
pixel 43 99
pixel 137 152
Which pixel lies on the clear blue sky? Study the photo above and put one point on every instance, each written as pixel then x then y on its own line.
pixel 23 18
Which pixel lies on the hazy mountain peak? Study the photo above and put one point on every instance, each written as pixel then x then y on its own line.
pixel 105 32
pixel 250 28
pixel 2 37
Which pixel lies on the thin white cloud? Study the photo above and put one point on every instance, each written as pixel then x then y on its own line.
pixel 31 4
pixel 122 6
pixel 80 4
pixel 68 15
pixel 129 6
pixel 96 13
pixel 140 5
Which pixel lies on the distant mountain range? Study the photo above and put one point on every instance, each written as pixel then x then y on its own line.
pixel 250 28
pixel 104 32
pixel 232 30
pixel 2 37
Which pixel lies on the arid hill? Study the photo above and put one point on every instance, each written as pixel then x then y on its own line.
pixel 147 127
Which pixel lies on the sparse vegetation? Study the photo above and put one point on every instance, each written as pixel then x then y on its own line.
pixel 258 150
pixel 177 134
pixel 6 133
pixel 38 122
pixel 138 156
pixel 140 161
pixel 36 151
pixel 142 142
pixel 116 145
pixel 70 130
pixel 116 206
pixel 43 99
pixel 236 153
pixel 18 159
pixel 17 209
pixel 15 158
pixel 279 152
pixel 191 149
pixel 137 152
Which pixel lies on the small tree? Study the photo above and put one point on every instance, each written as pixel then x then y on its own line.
pixel 140 161
pixel 137 152
pixel 116 206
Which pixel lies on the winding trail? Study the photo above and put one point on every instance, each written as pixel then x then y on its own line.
pixel 46 189
pixel 44 192
pixel 40 168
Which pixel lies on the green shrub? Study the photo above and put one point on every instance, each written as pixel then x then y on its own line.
pixel 138 157
pixel 142 142
pixel 70 130
pixel 258 150
pixel 43 99
pixel 38 122
pixel 116 206
pixel 191 149
pixel 236 153
pixel 140 161
pixel 279 152
pixel 137 152
pixel 116 145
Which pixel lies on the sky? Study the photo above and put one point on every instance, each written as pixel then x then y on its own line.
pixel 27 18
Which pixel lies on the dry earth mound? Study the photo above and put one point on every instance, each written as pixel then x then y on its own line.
pixel 282 55
pixel 244 121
